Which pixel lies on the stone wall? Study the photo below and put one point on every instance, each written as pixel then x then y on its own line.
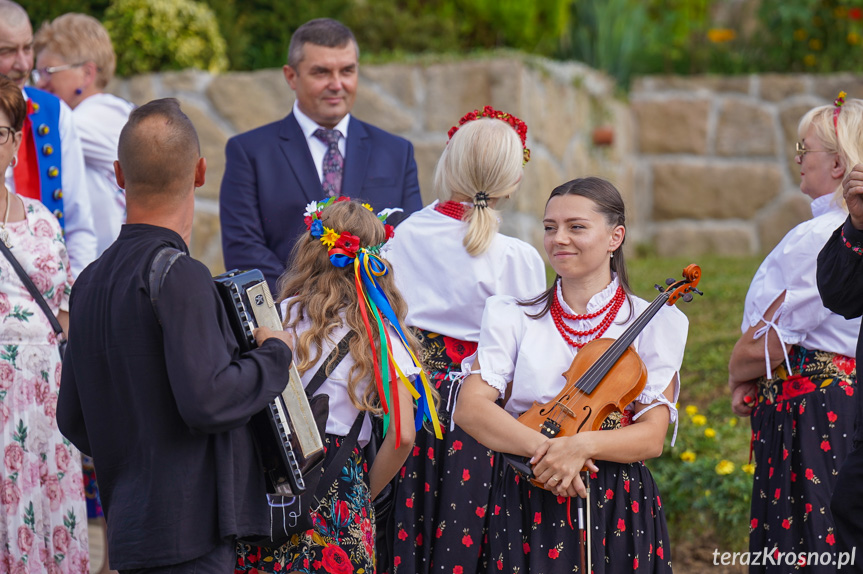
pixel 562 104
pixel 715 158
pixel 705 164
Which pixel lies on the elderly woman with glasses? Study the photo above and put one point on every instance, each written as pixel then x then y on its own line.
pixel 42 521
pixel 792 371
pixel 75 61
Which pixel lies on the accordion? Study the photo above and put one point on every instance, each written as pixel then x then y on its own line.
pixel 286 432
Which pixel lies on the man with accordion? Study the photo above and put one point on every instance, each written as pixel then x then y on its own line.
pixel 154 386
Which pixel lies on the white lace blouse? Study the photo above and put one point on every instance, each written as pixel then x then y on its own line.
pixel 342 411
pixel 802 318
pixel 533 355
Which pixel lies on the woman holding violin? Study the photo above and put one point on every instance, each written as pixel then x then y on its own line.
pixel 524 346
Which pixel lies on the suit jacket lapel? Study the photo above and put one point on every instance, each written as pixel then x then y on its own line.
pixel 357 154
pixel 296 150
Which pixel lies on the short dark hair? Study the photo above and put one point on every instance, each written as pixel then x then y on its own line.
pixel 156 157
pixel 320 32
pixel 12 103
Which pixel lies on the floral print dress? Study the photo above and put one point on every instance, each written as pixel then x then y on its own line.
pixel 43 521
pixel 802 430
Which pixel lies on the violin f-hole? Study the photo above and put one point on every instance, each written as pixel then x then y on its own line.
pixel 586 418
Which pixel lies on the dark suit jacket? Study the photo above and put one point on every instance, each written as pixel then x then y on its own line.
pixel 163 408
pixel 270 177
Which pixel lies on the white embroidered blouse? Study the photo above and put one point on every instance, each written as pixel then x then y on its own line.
pixel 802 318
pixel 533 355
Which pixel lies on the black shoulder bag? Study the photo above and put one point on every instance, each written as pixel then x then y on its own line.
pixel 40 300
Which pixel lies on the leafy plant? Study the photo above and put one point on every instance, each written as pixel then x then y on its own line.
pixel 152 35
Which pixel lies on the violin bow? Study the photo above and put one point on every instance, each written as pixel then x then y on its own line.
pixel 587 531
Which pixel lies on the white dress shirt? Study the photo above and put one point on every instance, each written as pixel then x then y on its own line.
pixel 342 410
pixel 802 318
pixel 532 354
pixel 446 288
pixel 316 146
pixel 77 210
pixel 99 120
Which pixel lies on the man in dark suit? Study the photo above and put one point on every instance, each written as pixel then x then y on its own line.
pixel 318 150
pixel 156 390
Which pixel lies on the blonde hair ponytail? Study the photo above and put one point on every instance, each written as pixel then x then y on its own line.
pixel 485 157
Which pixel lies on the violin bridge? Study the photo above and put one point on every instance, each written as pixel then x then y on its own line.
pixel 565 409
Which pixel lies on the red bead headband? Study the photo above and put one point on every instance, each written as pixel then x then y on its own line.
pixel 838 103
pixel 489 112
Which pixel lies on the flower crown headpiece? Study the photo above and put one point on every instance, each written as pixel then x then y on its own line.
pixel 489 112
pixel 344 249
pixel 838 103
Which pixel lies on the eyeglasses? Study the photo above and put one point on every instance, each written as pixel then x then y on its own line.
pixel 802 151
pixel 5 133
pixel 46 73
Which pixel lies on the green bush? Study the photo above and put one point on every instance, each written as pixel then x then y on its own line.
pixel 154 35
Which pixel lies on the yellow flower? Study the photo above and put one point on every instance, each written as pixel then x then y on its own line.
pixel 707 493
pixel 329 237
pixel 800 34
pixel 699 420
pixel 809 60
pixel 853 38
pixel 815 44
pixel 691 410
pixel 721 35
pixel 748 468
pixel 367 206
pixel 709 433
pixel 724 467
pixel 687 456
pixel 732 422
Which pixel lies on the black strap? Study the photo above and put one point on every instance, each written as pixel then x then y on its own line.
pixel 337 463
pixel 340 351
pixel 159 268
pixel 34 292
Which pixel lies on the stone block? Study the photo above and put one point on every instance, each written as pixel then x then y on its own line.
pixel 213 141
pixel 541 176
pixel 695 239
pixel 251 99
pixel 777 87
pixel 744 130
pixel 713 190
pixel 399 81
pixel 732 84
pixel 206 242
pixel 427 155
pixel 183 81
pixel 455 88
pixel 676 125
pixel 776 222
pixel 141 89
pixel 370 106
pixel 828 87
pixel 555 112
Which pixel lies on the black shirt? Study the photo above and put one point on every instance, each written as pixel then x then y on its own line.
pixel 840 283
pixel 162 408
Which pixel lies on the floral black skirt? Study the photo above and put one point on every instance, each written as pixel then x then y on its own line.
pixel 342 539
pixel 802 430
pixel 441 499
pixel 532 530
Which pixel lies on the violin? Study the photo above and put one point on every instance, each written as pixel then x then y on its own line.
pixel 605 376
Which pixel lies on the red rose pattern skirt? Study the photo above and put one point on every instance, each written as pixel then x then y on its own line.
pixel 802 430
pixel 532 530
pixel 342 539
pixel 442 492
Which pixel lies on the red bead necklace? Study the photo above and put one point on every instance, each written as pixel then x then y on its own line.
pixel 610 309
pixel 452 209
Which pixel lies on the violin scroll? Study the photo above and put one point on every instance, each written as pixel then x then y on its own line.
pixel 684 288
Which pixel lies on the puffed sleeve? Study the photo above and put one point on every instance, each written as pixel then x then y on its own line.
pixel 502 326
pixel 522 274
pixel 401 355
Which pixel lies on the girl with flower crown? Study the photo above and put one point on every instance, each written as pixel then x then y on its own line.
pixel 450 259
pixel 793 369
pixel 337 284
pixel 524 346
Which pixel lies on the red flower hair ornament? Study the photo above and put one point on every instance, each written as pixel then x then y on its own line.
pixel 489 112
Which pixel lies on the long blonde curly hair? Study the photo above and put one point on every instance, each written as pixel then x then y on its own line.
pixel 326 295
